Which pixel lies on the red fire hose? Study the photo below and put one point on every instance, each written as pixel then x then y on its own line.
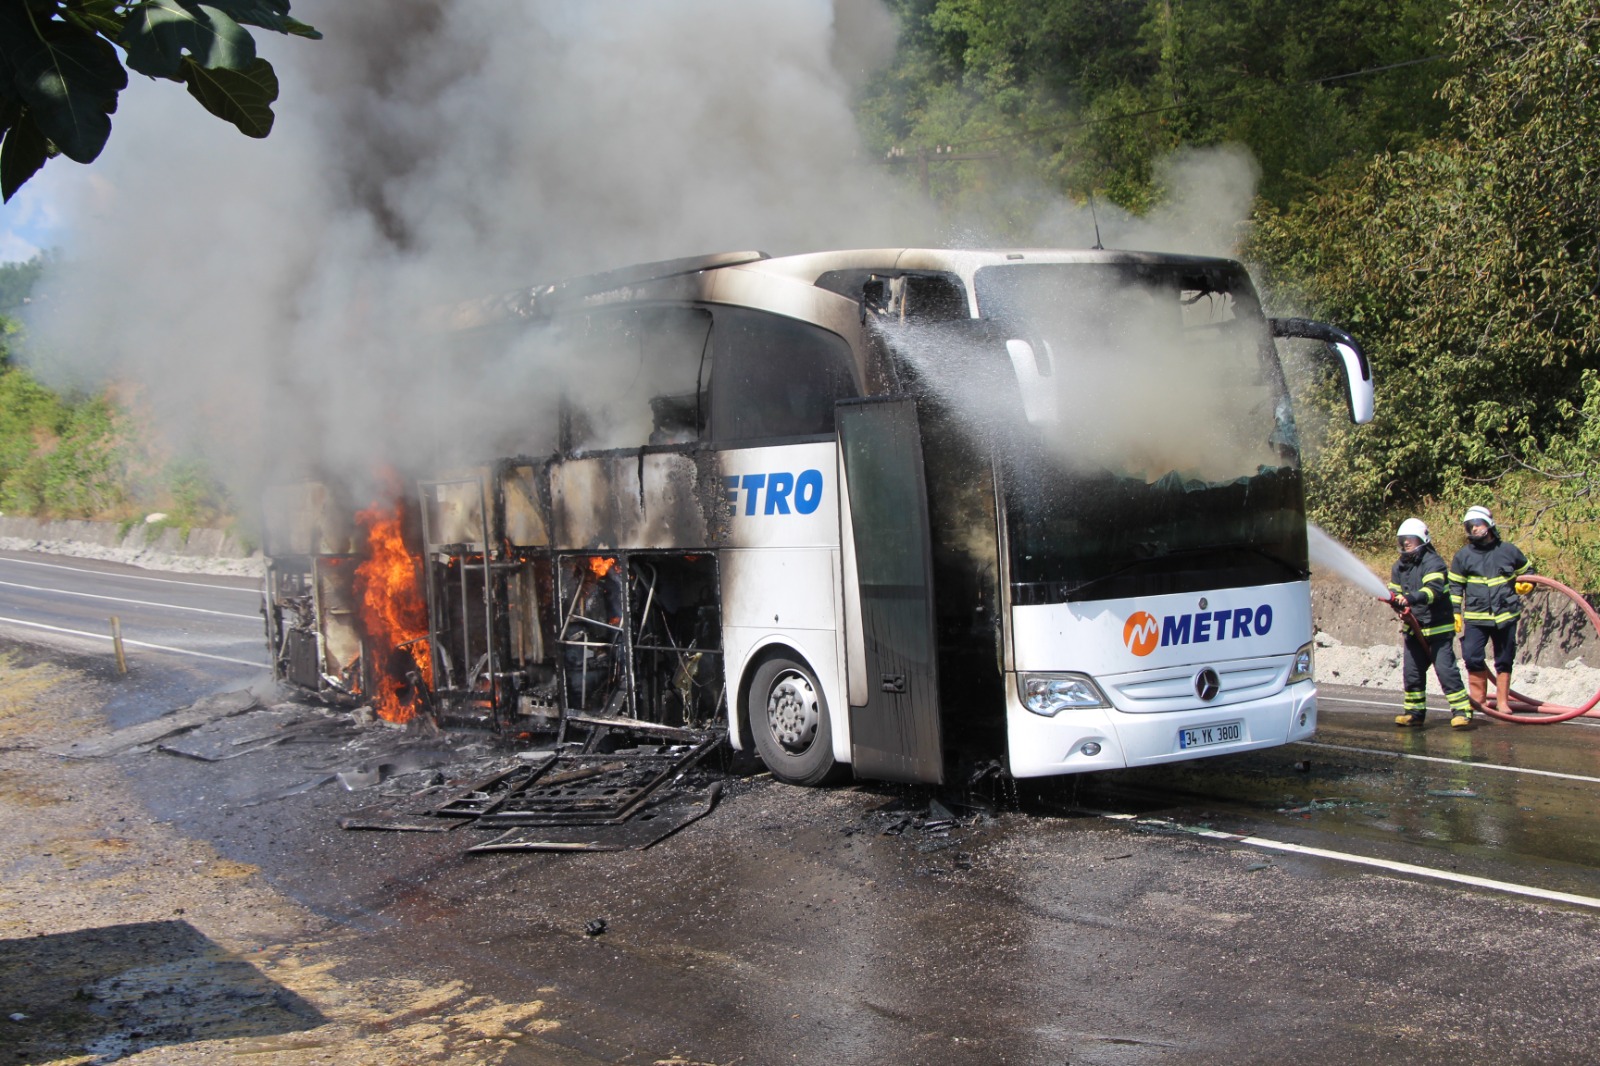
pixel 1528 711
pixel 1525 710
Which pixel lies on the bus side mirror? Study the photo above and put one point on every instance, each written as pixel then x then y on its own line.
pixel 1357 371
pixel 1033 372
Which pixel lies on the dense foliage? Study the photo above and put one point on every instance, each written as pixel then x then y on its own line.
pixel 86 456
pixel 1088 95
pixel 60 73
pixel 1470 266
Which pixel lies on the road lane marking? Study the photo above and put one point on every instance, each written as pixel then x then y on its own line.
pixel 1359 703
pixel 1510 887
pixel 1453 762
pixel 254 591
pixel 120 599
pixel 134 643
pixel 1584 721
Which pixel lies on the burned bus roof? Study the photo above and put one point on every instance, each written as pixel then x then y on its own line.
pixel 711 278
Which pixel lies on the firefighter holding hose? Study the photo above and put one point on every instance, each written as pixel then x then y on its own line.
pixel 1418 583
pixel 1487 598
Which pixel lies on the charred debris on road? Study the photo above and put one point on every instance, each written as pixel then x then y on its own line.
pixel 610 785
pixel 599 785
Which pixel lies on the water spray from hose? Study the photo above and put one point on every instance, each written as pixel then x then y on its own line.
pixel 1329 554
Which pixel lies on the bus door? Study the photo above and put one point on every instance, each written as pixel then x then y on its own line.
pixel 895 736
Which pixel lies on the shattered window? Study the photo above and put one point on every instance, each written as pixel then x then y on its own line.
pixel 777 377
pixel 641 376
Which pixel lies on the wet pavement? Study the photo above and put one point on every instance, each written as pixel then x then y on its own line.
pixel 1080 921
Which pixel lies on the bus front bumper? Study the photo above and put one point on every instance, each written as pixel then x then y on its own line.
pixel 1104 738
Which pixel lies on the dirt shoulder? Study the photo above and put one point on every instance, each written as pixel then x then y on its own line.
pixel 121 939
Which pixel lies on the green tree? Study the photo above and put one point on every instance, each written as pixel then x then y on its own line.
pixel 17 281
pixel 1086 95
pixel 1468 267
pixel 60 73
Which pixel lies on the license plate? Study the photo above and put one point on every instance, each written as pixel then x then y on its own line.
pixel 1205 735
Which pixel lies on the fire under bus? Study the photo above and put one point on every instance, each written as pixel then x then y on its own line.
pixel 914 513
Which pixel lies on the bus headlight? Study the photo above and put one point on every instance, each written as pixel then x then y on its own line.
pixel 1049 694
pixel 1300 670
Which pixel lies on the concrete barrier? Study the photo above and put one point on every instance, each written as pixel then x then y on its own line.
pixel 200 543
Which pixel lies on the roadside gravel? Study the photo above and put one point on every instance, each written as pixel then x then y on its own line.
pixel 123 939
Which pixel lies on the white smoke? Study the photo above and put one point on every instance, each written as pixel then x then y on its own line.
pixel 1206 198
pixel 267 295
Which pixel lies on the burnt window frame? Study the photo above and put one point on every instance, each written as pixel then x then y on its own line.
pixel 603 317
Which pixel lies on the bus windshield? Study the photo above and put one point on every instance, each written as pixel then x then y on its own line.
pixel 1160 453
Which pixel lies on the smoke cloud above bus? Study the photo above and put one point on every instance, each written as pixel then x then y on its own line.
pixel 264 298
pixel 266 295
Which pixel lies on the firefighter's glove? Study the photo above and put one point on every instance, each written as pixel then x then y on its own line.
pixel 1522 588
pixel 1460 625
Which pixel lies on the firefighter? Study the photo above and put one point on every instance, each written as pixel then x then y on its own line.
pixel 1485 591
pixel 1418 582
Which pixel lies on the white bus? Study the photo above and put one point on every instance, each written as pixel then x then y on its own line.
pixel 911 512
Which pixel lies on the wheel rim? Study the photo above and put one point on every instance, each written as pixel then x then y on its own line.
pixel 792 711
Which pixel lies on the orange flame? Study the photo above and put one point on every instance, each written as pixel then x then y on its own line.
pixel 394 615
pixel 601 565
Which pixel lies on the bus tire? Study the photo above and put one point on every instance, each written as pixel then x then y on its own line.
pixel 789 722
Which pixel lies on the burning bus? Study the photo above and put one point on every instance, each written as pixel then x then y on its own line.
pixel 905 514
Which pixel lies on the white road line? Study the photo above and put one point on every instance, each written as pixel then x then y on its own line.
pixel 1362 860
pixel 1583 721
pixel 1359 703
pixel 1453 762
pixel 134 643
pixel 120 599
pixel 255 591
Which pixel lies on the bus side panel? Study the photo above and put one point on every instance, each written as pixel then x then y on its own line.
pixel 780 568
pixel 797 587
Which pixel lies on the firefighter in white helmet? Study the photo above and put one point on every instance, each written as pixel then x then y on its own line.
pixel 1418 582
pixel 1486 594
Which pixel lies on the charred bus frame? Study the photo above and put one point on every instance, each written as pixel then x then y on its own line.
pixel 783 525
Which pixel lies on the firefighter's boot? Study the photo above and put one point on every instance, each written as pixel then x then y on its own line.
pixel 1477 687
pixel 1416 707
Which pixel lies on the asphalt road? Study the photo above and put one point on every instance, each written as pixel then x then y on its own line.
pixel 184 633
pixel 1379 894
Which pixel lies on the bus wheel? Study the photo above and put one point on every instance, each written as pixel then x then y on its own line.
pixel 789 717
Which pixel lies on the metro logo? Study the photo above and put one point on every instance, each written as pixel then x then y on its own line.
pixel 776 491
pixel 1140 630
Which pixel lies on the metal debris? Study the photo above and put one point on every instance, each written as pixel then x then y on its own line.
pixel 567 798
pixel 654 823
